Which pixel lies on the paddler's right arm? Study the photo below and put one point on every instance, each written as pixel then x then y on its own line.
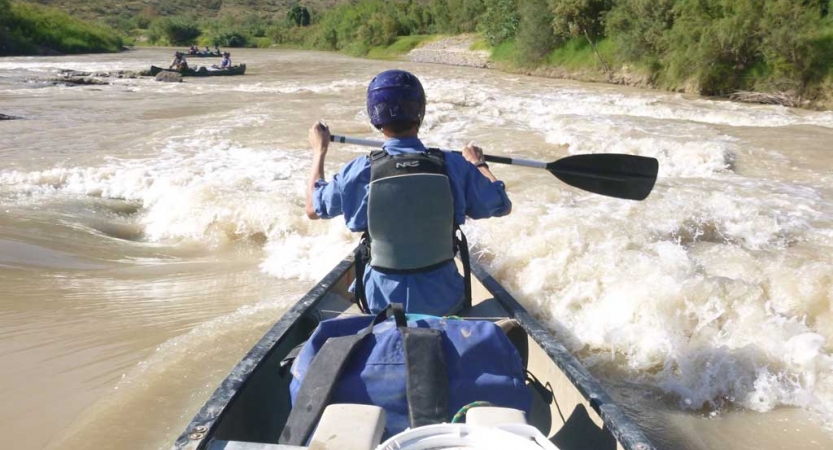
pixel 319 139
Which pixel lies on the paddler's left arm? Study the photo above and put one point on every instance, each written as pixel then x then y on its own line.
pixel 319 139
pixel 485 194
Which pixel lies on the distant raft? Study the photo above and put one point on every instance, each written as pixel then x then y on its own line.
pixel 203 71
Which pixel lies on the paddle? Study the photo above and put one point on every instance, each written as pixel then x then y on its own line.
pixel 614 175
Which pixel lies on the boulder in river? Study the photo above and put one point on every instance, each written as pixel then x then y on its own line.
pixel 169 77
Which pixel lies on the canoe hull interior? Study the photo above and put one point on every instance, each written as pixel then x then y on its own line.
pixel 569 406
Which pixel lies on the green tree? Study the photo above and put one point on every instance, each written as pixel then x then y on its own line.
pixel 796 48
pixel 535 38
pixel 298 15
pixel 500 21
pixel 638 27
pixel 714 43
pixel 441 14
pixel 581 18
pixel 457 16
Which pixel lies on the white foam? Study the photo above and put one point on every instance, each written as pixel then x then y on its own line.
pixel 699 294
pixel 680 132
pixel 199 186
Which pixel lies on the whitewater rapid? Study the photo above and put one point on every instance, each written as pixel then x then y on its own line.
pixel 716 292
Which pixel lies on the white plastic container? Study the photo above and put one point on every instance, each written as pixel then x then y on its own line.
pixel 453 436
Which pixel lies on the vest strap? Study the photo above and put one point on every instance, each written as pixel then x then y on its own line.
pixel 462 245
pixel 361 258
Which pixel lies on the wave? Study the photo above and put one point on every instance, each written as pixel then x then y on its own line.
pixel 706 292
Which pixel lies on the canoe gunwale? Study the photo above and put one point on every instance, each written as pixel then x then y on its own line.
pixel 630 436
pixel 199 430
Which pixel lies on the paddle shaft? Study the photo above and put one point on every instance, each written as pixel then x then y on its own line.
pixel 627 177
pixel 488 158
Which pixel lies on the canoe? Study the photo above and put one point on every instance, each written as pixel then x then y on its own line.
pixel 203 71
pixel 203 55
pixel 249 409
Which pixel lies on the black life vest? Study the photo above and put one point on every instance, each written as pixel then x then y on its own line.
pixel 410 218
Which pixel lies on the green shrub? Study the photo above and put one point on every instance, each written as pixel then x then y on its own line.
pixel 298 15
pixel 638 27
pixel 356 28
pixel 455 16
pixel 714 43
pixel 579 18
pixel 175 30
pixel 796 46
pixel 500 21
pixel 535 38
pixel 230 38
pixel 399 47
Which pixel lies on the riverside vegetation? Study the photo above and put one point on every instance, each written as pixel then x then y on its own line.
pixel 28 28
pixel 780 49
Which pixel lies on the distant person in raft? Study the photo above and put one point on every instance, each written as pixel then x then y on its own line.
pixel 408 200
pixel 179 63
pixel 225 63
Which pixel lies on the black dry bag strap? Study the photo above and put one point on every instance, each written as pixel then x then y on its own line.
pixel 427 376
pixel 463 247
pixel 322 375
pixel 360 258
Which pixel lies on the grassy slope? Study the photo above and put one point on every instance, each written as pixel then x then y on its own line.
pixel 33 29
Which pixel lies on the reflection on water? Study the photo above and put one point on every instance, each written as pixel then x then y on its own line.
pixel 150 232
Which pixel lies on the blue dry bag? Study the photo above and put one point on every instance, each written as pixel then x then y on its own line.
pixel 419 371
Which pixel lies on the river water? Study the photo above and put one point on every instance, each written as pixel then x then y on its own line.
pixel 151 232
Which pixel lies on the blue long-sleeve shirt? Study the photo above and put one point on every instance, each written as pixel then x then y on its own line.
pixel 439 291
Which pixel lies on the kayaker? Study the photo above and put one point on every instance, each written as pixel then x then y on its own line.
pixel 226 62
pixel 179 63
pixel 396 106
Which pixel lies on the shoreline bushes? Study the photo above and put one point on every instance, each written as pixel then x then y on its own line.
pixel 712 47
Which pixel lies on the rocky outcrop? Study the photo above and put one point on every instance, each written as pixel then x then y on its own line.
pixel 114 74
pixel 454 51
pixel 69 77
pixel 77 81
pixel 169 77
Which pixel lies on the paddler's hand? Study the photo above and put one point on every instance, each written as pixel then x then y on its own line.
pixel 319 138
pixel 473 154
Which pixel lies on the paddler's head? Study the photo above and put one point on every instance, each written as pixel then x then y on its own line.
pixel 396 103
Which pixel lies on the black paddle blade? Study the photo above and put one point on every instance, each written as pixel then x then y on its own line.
pixel 614 175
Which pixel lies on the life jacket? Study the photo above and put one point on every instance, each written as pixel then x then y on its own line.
pixel 410 219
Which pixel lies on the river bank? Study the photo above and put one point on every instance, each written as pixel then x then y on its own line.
pixel 463 50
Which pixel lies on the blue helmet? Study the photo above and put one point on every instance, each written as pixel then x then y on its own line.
pixel 395 96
